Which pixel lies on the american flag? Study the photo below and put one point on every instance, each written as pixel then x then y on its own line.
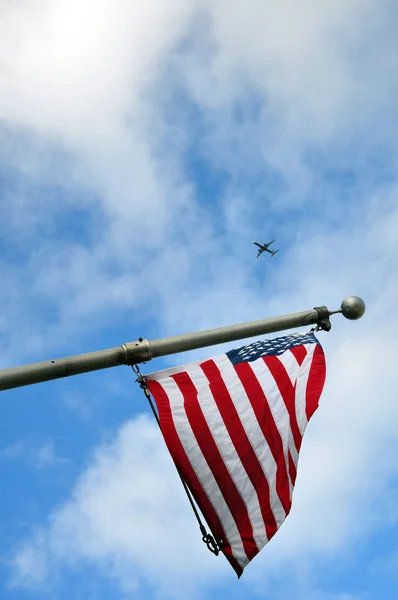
pixel 233 425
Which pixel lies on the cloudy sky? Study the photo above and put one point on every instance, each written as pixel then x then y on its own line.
pixel 143 146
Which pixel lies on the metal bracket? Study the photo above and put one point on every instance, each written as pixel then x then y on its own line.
pixel 323 320
pixel 137 352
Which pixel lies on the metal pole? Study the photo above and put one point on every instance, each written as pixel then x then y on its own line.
pixel 144 350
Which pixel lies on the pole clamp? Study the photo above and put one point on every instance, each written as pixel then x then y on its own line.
pixel 323 321
pixel 136 352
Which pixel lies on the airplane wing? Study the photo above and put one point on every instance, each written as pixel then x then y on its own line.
pixel 269 243
pixel 260 252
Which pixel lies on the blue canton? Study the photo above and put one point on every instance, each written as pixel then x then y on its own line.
pixel 269 347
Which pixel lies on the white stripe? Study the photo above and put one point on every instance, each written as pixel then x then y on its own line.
pixel 301 387
pixel 279 411
pixel 228 453
pixel 291 365
pixel 202 470
pixel 292 368
pixel 164 373
pixel 253 431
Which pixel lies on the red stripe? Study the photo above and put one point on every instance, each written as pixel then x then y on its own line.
pixel 184 466
pixel 241 442
pixel 215 461
pixel 299 352
pixel 292 470
pixel 270 431
pixel 316 381
pixel 287 392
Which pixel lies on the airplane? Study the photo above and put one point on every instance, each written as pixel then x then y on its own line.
pixel 265 248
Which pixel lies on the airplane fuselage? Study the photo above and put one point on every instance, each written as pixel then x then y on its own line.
pixel 265 248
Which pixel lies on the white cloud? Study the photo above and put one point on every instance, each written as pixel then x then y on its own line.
pixel 74 71
pixel 30 566
pixel 127 513
pixel 40 453
pixel 89 84
pixel 75 75
pixel 76 114
pixel 322 73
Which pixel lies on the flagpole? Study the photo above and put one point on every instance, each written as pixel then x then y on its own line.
pixel 143 350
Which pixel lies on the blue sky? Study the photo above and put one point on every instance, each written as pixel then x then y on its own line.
pixel 142 148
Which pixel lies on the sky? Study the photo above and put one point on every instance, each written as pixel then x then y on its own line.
pixel 143 146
